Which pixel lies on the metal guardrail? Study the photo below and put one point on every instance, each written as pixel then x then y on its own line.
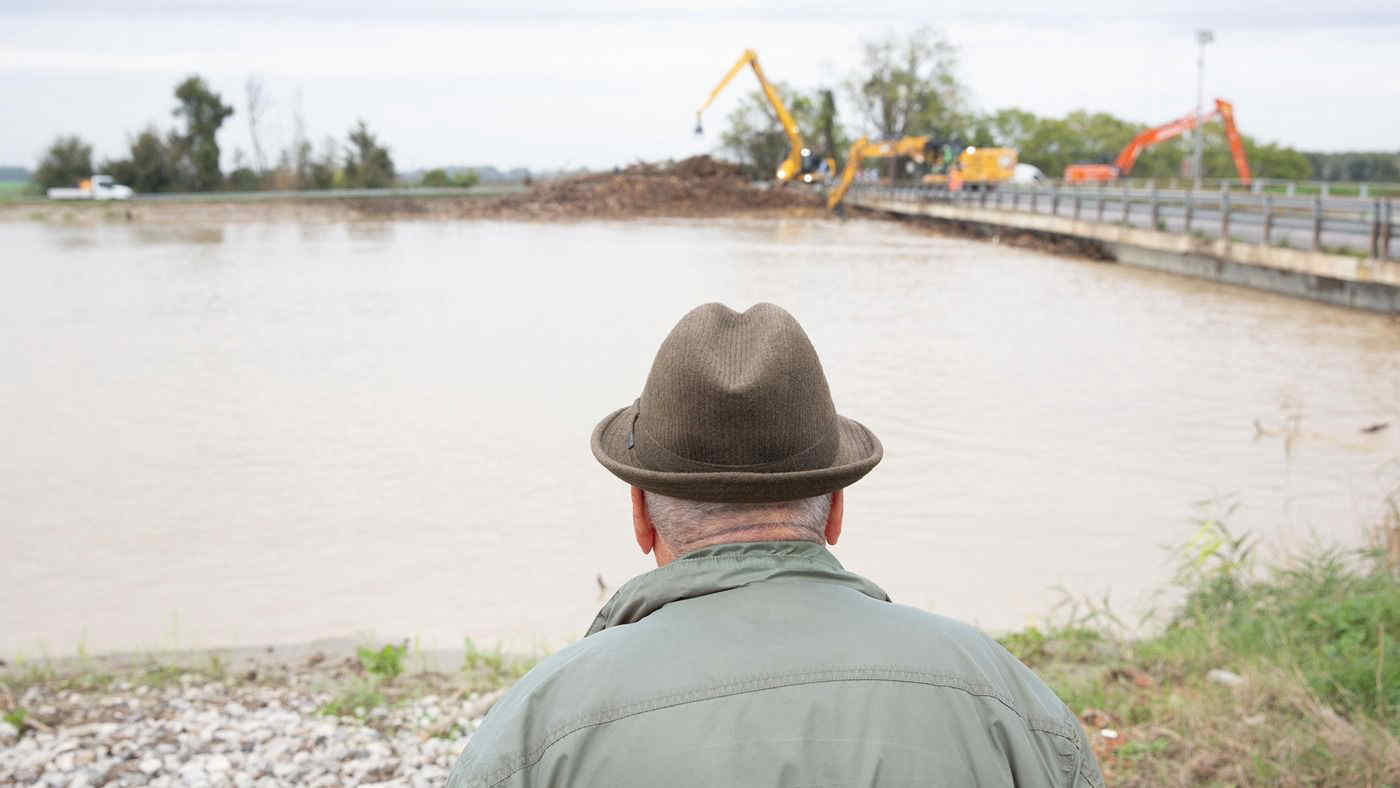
pixel 1358 189
pixel 1335 224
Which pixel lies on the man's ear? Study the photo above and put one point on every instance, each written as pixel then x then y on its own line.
pixel 642 528
pixel 833 519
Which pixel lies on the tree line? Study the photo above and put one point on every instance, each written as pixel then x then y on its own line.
pixel 187 158
pixel 908 86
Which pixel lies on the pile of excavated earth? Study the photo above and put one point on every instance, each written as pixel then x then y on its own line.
pixel 697 186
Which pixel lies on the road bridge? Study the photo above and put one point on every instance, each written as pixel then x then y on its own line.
pixel 1340 250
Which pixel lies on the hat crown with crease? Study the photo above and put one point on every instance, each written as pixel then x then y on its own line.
pixel 737 390
pixel 736 408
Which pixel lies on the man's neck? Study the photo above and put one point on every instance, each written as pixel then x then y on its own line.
pixel 665 554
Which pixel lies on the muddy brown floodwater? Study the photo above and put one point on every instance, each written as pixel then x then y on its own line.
pixel 268 432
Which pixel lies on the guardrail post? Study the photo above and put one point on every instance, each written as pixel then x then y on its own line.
pixel 1365 191
pixel 1385 230
pixel 1317 223
pixel 1268 217
pixel 1125 204
pixel 1034 193
pixel 1326 189
pixel 1189 208
pixel 1078 201
pixel 1225 216
pixel 1054 200
pixel 1101 200
pixel 1375 229
pixel 1156 208
pixel 1292 188
pixel 983 201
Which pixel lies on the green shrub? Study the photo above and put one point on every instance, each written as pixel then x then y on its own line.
pixel 385 663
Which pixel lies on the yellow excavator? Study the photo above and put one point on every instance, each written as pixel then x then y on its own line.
pixel 800 163
pixel 920 149
pixel 970 166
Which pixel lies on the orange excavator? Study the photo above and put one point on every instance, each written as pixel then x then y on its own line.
pixel 1102 173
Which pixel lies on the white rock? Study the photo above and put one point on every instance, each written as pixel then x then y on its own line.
pixel 1220 676
pixel 8 732
pixel 149 766
pixel 217 764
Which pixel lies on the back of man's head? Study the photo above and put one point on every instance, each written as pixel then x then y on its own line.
pixel 686 525
pixel 735 437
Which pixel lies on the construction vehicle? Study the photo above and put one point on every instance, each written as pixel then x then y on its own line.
pixel 977 168
pixel 800 163
pixel 1103 173
pixel 98 187
pixel 920 149
pixel 956 167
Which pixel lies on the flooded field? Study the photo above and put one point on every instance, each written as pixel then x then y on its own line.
pixel 249 433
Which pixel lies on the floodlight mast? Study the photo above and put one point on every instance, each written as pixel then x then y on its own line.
pixel 1203 37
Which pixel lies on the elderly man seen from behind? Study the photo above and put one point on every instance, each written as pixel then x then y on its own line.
pixel 750 656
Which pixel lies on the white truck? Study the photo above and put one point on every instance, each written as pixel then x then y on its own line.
pixel 1028 173
pixel 98 187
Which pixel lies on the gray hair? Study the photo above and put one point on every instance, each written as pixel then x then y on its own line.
pixel 686 526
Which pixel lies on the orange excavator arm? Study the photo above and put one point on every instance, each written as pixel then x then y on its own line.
pixel 1150 137
pixel 1226 111
pixel 1223 109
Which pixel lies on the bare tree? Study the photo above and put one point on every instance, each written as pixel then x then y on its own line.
pixel 301 147
pixel 908 85
pixel 258 103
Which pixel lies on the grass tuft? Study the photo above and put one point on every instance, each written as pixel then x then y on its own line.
pixel 489 670
pixel 386 663
pixel 1314 640
pixel 355 700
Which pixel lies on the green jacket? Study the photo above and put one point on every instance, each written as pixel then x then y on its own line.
pixel 766 663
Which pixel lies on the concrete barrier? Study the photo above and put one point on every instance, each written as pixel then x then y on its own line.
pixel 1344 280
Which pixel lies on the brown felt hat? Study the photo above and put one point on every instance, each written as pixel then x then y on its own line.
pixel 736 409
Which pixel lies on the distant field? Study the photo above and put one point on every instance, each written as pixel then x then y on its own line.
pixel 10 190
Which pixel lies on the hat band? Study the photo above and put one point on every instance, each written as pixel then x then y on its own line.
pixel 652 455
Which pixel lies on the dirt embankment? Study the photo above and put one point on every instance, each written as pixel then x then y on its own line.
pixel 699 186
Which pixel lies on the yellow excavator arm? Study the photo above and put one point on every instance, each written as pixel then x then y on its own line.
pixel 915 148
pixel 790 166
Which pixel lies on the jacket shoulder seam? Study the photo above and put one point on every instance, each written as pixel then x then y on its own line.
pixel 527 759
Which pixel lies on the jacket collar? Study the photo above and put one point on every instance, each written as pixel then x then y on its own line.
pixel 722 567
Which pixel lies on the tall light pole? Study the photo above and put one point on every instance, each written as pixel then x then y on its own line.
pixel 1203 37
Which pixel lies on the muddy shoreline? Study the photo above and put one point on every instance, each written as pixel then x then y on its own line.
pixel 516 208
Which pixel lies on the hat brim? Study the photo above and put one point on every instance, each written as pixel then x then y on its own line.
pixel 858 451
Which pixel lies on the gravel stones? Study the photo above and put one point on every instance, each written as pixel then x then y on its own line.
pixel 209 733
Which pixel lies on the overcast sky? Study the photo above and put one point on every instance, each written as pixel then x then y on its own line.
pixel 547 84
